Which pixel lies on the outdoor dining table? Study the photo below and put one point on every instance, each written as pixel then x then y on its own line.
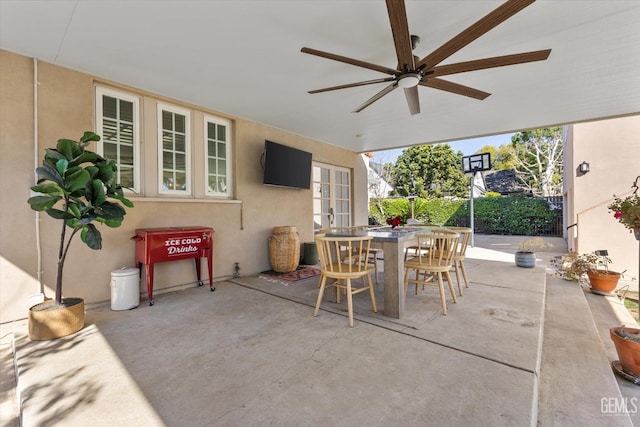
pixel 393 243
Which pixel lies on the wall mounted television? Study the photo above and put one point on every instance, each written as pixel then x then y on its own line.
pixel 286 166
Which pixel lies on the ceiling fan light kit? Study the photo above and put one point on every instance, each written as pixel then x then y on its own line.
pixel 408 80
pixel 412 71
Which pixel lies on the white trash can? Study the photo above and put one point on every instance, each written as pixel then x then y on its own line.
pixel 125 288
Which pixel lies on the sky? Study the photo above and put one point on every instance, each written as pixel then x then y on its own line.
pixel 467 146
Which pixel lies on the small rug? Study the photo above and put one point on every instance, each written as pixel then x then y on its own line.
pixel 301 273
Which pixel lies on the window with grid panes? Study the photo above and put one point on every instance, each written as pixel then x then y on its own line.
pixel 173 149
pixel 117 123
pixel 217 134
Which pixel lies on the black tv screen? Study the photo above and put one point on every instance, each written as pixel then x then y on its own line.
pixel 286 166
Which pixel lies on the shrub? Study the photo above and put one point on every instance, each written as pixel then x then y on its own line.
pixel 492 215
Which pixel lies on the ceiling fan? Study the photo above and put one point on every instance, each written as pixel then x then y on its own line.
pixel 412 71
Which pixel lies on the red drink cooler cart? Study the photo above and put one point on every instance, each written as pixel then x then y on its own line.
pixel 172 244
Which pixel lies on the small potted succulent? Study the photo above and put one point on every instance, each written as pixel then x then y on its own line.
pixel 526 254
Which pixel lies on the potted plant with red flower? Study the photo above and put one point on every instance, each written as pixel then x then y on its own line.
pixel 627 340
pixel 627 210
pixel 396 221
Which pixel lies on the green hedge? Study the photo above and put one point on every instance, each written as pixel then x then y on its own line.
pixel 492 215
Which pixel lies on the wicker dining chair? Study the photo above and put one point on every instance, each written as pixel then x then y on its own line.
pixel 334 266
pixel 434 260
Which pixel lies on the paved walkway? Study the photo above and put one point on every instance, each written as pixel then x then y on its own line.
pixel 252 354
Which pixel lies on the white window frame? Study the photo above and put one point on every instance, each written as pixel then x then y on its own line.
pixel 137 164
pixel 187 114
pixel 227 124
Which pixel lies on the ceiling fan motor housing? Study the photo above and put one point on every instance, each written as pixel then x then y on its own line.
pixel 410 79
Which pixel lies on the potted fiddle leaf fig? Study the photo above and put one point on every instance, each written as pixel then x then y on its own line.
pixel 79 188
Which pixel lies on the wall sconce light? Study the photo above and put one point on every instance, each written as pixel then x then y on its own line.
pixel 583 167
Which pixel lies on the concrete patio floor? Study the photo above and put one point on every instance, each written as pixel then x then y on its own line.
pixel 520 348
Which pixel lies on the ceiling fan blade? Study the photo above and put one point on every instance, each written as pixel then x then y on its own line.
pixel 350 61
pixel 367 82
pixel 413 100
pixel 377 96
pixel 456 88
pixel 496 61
pixel 401 38
pixel 493 19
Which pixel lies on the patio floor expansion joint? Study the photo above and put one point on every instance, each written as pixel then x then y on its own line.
pixel 376 324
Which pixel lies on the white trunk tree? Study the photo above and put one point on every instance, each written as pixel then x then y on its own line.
pixel 539 160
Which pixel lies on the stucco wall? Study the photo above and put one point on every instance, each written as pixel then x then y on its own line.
pixel 17 244
pixel 65 110
pixel 612 149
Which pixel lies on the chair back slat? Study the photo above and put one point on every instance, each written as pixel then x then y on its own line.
pixel 463 242
pixel 343 254
pixel 437 248
pixel 344 257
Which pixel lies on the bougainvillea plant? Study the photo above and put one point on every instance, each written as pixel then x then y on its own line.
pixel 627 210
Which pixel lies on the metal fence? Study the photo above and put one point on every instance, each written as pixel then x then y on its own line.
pixel 556 228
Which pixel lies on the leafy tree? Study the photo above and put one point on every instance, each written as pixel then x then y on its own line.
pixel 539 160
pixel 491 149
pixel 502 157
pixel 432 170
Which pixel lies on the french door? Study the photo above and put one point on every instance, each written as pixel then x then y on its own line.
pixel 331 196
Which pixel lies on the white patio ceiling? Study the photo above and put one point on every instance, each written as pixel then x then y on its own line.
pixel 243 58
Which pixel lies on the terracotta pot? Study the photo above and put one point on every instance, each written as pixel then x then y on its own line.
pixel 628 351
pixel 48 320
pixel 525 259
pixel 603 281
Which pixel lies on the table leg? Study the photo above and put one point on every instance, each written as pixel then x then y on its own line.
pixel 393 279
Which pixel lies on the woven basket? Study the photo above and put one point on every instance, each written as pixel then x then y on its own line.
pixel 284 249
pixel 48 321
